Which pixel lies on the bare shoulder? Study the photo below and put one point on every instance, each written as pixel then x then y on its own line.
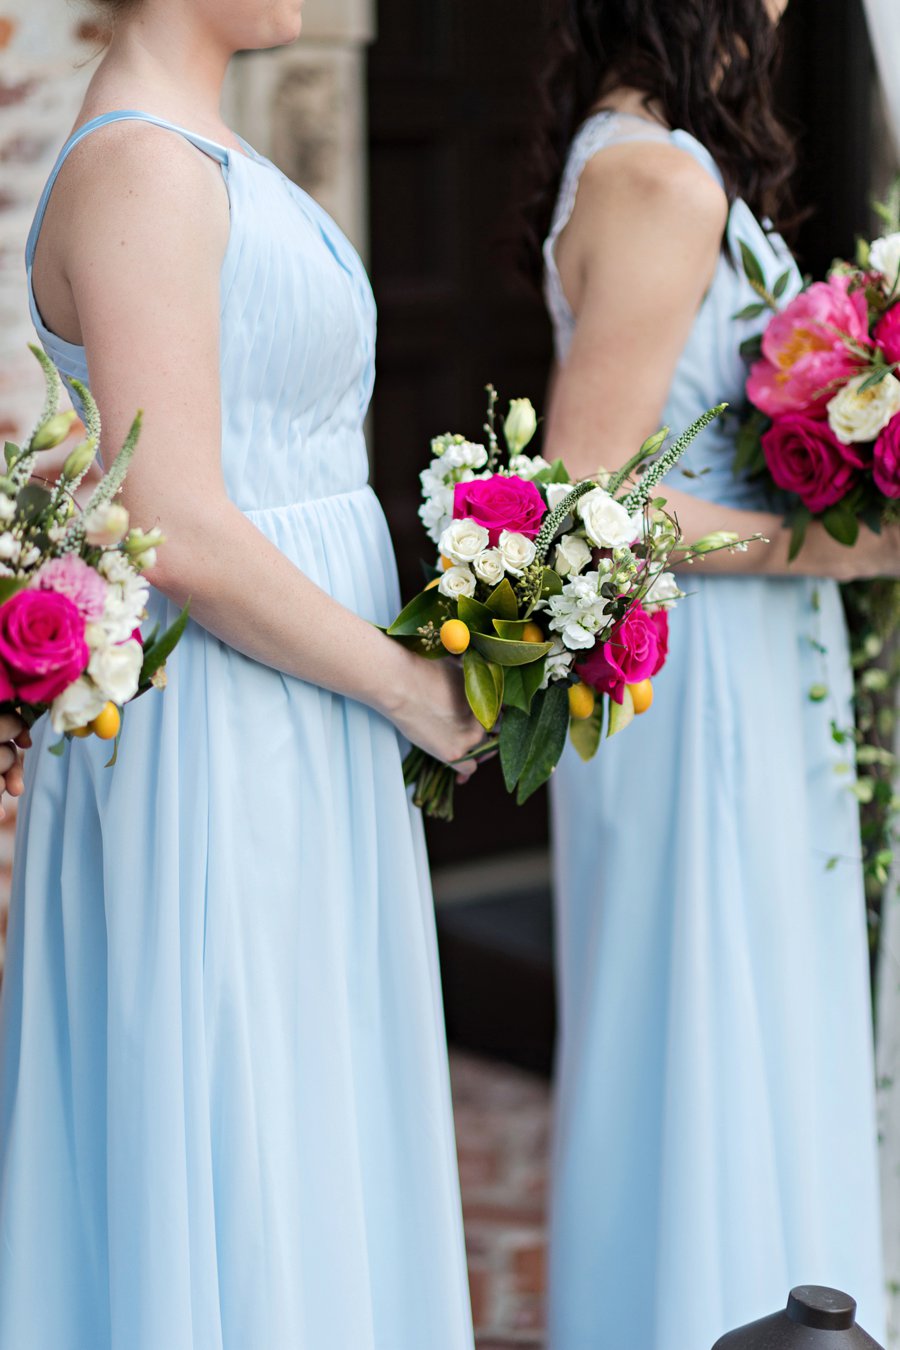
pixel 143 184
pixel 656 177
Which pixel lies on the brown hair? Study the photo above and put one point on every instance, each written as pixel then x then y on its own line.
pixel 708 64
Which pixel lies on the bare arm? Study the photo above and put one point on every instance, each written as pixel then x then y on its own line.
pixel 636 260
pixel 144 278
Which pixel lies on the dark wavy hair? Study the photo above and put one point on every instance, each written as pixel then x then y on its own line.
pixel 707 65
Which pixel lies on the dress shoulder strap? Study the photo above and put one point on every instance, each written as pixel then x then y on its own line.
pixel 220 153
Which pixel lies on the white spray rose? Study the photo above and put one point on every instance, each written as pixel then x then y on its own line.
pixel 859 415
pixel 606 522
pixel 463 541
pixel 489 567
pixel 106 526
pixel 572 555
pixel 77 706
pixel 457 581
pixel 556 493
pixel 116 669
pixel 517 551
pixel 885 257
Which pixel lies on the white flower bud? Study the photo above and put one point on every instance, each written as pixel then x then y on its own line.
pixel 520 425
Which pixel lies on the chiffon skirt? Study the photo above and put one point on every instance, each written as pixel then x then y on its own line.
pixel 225 1120
pixel 715 1130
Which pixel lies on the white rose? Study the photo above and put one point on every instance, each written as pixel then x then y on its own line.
pixel 106 526
pixel 885 257
pixel 527 466
pixel 663 592
pixel 489 567
pixel 556 493
pixel 517 551
pixel 572 555
pixel 116 669
pixel 606 522
pixel 457 581
pixel 76 706
pixel 463 540
pixel 860 416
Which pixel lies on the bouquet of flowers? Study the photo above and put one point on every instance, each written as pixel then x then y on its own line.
pixel 824 386
pixel 555 594
pixel 72 596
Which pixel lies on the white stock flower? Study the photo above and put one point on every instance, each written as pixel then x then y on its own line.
pixel 463 540
pixel 517 551
pixel 457 581
pixel 885 257
pixel 580 612
pixel 467 455
pixel 556 493
pixel 436 512
pixel 572 555
pixel 7 507
pixel 76 706
pixel 663 592
pixel 606 522
pixel 859 416
pixel 559 661
pixel 116 669
pixel 489 567
pixel 126 598
pixel 10 547
pixel 527 466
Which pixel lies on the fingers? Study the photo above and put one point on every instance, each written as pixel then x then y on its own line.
pixel 11 727
pixel 15 780
pixel 9 756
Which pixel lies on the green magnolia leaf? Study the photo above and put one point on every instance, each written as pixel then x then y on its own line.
pixel 427 607
pixel 515 731
pixel 621 715
pixel 841 524
pixel 10 586
pixel 799 525
pixel 521 684
pixel 752 265
pixel 155 657
pixel 511 629
pixel 476 616
pixel 509 653
pixel 751 348
pixel 551 583
pixel 557 473
pixel 484 688
pixel 585 734
pixel 546 744
pixel 503 602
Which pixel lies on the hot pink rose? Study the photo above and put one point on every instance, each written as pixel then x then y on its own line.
pixel 500 503
pixel 70 576
pixel 636 651
pixel 887 334
pixel 805 354
pixel 886 467
pixel 804 456
pixel 42 644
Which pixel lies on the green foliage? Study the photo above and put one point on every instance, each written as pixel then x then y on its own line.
pixel 531 745
pixel 157 654
pixel 484 687
pixel 586 733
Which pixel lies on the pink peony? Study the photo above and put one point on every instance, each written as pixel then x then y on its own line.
pixel 636 650
pixel 805 355
pixel 887 334
pixel 71 577
pixel 804 456
pixel 886 467
pixel 42 644
pixel 500 503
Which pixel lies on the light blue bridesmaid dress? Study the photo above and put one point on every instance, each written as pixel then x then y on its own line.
pixel 715 1129
pixel 225 1118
